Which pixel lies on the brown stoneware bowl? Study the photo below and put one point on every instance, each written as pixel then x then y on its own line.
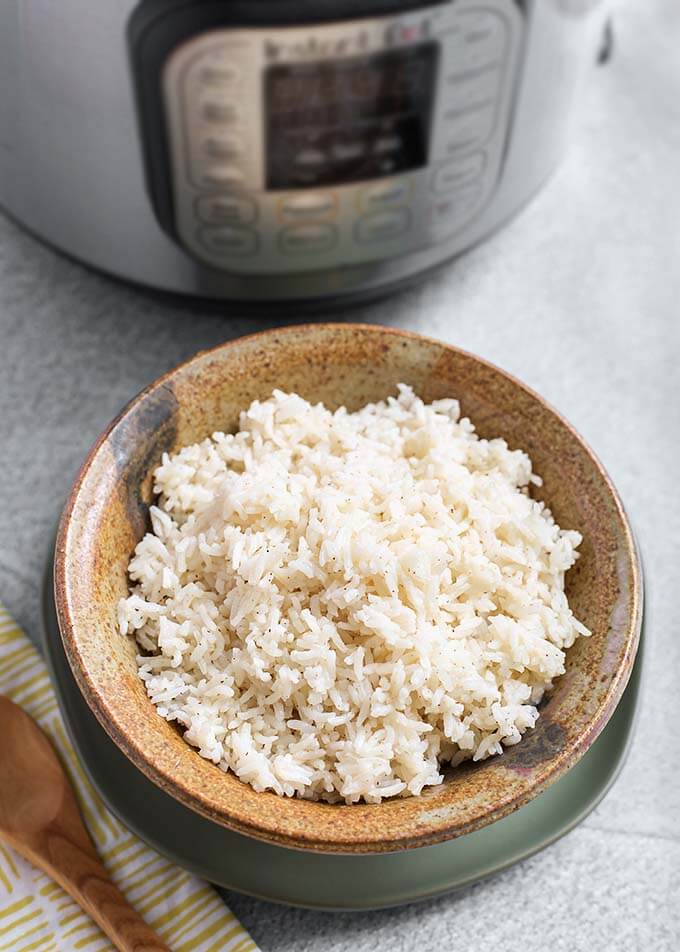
pixel 106 515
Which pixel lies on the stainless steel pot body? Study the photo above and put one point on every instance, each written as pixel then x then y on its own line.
pixel 492 110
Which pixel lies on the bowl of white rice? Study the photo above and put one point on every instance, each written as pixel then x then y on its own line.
pixel 348 589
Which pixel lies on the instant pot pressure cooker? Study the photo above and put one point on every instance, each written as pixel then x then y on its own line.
pixel 273 150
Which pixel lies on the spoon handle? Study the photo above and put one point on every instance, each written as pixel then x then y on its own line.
pixel 40 818
pixel 80 873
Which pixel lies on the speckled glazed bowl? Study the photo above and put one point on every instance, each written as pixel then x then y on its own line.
pixel 106 514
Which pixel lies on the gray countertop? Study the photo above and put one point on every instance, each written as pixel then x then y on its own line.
pixel 580 297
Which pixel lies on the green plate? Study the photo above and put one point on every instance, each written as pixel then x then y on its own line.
pixel 322 881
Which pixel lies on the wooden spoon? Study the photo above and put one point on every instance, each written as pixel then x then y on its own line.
pixel 40 818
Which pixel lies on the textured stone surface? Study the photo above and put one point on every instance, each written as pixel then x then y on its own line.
pixel 580 297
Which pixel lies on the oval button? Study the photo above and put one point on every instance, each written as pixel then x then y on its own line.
pixel 229 241
pixel 382 226
pixel 226 209
pixel 218 74
pixel 303 239
pixel 470 90
pixel 458 172
pixel 220 176
pixel 222 147
pixel 220 111
pixel 480 41
pixel 385 195
pixel 307 206
pixel 467 129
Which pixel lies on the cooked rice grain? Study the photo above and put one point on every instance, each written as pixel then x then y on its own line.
pixel 333 605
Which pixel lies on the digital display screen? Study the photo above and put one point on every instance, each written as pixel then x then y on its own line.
pixel 346 120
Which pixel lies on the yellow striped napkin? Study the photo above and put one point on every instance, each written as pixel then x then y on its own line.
pixel 35 913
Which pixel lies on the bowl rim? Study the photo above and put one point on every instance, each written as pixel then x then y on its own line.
pixel 308 840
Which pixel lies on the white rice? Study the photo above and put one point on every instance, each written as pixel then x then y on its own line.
pixel 333 605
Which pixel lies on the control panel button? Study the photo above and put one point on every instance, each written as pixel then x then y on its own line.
pixel 307 239
pixel 479 40
pixel 229 241
pixel 226 209
pixel 477 89
pixel 458 172
pixel 220 176
pixel 465 130
pixel 382 226
pixel 480 25
pixel 222 147
pixel 449 214
pixel 307 206
pixel 219 74
pixel 220 111
pixel 385 195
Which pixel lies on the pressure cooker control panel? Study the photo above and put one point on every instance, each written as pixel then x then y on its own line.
pixel 305 147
